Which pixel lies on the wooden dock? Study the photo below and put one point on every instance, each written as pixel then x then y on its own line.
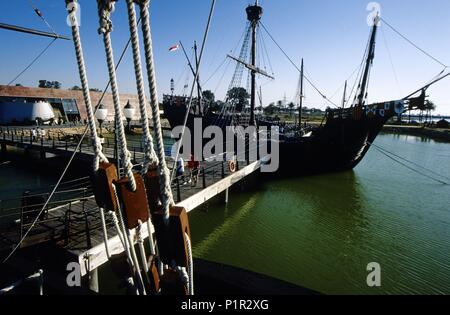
pixel 76 227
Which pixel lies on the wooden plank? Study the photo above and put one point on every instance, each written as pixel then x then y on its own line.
pixel 96 256
pixel 210 192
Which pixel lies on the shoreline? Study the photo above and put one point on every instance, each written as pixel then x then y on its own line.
pixel 442 135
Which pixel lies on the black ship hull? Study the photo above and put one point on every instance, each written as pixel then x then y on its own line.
pixel 340 144
pixel 338 147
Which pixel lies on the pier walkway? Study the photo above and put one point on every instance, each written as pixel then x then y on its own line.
pixel 64 145
pixel 72 219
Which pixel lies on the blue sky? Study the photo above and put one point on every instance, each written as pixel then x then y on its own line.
pixel 330 35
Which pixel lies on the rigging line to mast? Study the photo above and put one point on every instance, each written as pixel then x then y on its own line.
pixel 69 163
pixel 33 62
pixel 413 44
pixel 41 16
pixel 296 67
pixel 407 166
pixel 215 72
pixel 392 62
pixel 222 77
pixel 263 41
pixel 188 109
pixel 425 87
pixel 357 76
pixel 342 85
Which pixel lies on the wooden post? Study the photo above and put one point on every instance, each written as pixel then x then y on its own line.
pixel 223 170
pixel 226 195
pixel 204 178
pixel 178 190
pixel 93 281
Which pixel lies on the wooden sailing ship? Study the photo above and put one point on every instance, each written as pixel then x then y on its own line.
pixel 338 144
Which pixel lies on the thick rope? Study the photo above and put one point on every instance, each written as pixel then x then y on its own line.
pixel 166 190
pixel 140 241
pixel 150 158
pixel 125 247
pixel 105 232
pixel 96 144
pixel 105 9
pixel 190 267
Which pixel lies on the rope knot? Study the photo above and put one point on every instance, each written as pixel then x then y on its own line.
pixel 106 8
pixel 142 2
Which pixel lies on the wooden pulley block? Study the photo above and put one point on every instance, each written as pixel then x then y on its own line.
pixel 172 284
pixel 172 238
pixel 154 276
pixel 134 203
pixel 103 189
pixel 153 189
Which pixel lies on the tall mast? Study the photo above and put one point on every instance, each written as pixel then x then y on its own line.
pixel 300 110
pixel 344 98
pixel 369 62
pixel 199 88
pixel 254 14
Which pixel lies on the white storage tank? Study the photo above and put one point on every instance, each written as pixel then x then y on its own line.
pixel 20 112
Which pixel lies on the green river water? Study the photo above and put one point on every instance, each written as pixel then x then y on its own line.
pixel 321 232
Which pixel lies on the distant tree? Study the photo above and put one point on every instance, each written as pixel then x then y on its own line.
pixel 56 85
pixel 49 84
pixel 216 106
pixel 291 107
pixel 429 107
pixel 43 84
pixel 280 106
pixel 18 84
pixel 270 110
pixel 209 96
pixel 239 96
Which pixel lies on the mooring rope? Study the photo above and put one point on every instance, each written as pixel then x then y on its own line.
pixel 150 158
pixel 105 8
pixel 393 157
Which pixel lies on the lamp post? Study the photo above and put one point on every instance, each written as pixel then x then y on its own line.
pixel 101 114
pixel 129 114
